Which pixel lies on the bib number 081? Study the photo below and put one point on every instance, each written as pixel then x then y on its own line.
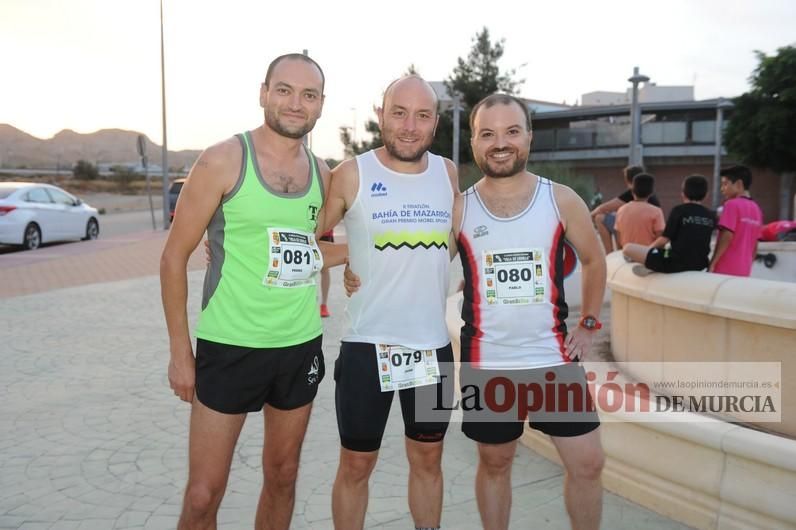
pixel 296 257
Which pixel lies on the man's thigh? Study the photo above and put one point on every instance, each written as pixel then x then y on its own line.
pixel 213 436
pixel 362 408
pixel 426 410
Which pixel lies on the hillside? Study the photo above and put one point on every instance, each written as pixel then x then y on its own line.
pixel 107 146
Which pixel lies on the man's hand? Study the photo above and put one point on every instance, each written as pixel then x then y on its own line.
pixel 579 343
pixel 182 372
pixel 350 281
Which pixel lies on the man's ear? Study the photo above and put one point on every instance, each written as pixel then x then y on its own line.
pixel 379 116
pixel 263 94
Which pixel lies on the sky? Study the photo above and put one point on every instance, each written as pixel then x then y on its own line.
pixel 87 65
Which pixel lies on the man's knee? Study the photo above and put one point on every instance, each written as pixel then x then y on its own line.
pixel 425 458
pixel 589 466
pixel 281 475
pixel 201 499
pixel 496 462
pixel 357 466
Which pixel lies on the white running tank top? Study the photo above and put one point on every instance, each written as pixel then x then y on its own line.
pixel 397 230
pixel 514 308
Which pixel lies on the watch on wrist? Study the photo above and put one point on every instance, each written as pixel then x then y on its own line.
pixel 590 323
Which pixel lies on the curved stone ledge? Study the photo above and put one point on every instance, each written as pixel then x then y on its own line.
pixel 709 475
pixel 696 316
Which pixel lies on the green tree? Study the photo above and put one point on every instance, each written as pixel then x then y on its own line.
pixel 85 170
pixel 473 79
pixel 762 128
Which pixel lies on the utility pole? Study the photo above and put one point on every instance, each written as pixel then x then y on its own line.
pixel 721 106
pixel 456 129
pixel 165 154
pixel 635 158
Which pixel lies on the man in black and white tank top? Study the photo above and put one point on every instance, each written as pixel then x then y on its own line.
pixel 511 228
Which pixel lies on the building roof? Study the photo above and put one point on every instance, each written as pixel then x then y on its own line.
pixel 612 110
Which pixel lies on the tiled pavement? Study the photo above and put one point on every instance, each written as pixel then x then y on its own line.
pixel 92 438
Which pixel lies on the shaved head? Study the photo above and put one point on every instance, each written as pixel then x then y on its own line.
pixel 410 79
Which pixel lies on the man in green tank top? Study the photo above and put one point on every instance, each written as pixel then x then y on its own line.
pixel 259 197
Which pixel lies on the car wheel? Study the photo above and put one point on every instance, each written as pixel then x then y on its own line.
pixel 32 238
pixel 92 229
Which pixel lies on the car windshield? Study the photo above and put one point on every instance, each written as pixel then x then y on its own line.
pixel 175 187
pixel 5 191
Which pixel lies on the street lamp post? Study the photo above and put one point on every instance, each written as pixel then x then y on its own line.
pixel 721 106
pixel 456 128
pixel 635 157
pixel 165 154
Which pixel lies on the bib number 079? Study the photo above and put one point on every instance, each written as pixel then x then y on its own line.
pixel 403 360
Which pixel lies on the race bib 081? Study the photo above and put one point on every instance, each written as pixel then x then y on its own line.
pixel 514 276
pixel 295 258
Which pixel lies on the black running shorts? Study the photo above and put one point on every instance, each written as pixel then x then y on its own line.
pixel 486 427
pixel 362 408
pixel 236 379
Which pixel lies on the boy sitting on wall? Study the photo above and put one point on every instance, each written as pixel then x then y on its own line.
pixel 688 229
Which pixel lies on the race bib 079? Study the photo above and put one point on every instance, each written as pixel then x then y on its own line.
pixel 401 367
pixel 514 276
pixel 295 258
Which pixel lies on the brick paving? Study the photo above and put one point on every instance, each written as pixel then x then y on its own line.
pixel 92 438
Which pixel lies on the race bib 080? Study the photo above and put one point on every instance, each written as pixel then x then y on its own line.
pixel 514 276
pixel 294 259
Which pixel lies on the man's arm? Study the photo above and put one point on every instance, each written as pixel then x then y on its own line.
pixel 456 217
pixel 660 224
pixel 661 242
pixel 722 244
pixel 343 188
pixel 579 232
pixel 213 174
pixel 608 206
pixel 727 225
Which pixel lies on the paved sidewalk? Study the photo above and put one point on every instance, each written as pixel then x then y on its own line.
pixel 92 437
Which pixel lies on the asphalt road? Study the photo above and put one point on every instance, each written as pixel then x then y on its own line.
pixel 114 225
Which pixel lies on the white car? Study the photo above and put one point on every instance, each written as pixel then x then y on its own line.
pixel 32 214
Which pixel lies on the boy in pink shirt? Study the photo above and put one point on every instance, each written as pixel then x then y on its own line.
pixel 639 221
pixel 739 225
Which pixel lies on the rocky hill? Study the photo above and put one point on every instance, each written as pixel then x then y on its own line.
pixel 108 146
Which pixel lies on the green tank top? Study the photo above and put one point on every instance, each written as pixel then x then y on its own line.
pixel 258 292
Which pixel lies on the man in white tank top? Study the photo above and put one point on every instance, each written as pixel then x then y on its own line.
pixel 510 228
pixel 397 204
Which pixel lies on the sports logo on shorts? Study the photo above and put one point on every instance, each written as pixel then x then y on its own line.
pixel 312 374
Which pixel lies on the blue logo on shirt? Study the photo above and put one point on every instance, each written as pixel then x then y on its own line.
pixel 378 190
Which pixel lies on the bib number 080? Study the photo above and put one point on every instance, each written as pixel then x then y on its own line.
pixel 514 275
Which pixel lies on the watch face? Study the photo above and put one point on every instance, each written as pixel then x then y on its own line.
pixel 589 322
